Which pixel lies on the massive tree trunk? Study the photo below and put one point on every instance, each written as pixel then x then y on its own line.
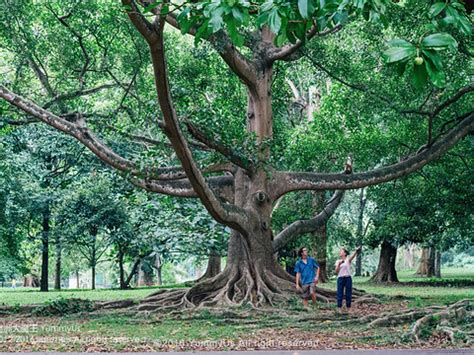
pixel 57 275
pixel 252 274
pixel 386 270
pixel 427 262
pixel 45 248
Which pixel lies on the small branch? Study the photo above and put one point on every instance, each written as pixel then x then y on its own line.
pixel 309 225
pixel 220 147
pixel 286 52
pixel 77 93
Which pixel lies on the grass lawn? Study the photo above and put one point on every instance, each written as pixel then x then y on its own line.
pixel 288 327
pixel 20 296
pixel 420 295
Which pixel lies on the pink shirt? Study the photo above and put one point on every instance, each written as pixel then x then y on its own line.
pixel 345 269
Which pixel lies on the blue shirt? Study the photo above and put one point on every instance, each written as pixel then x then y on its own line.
pixel 307 270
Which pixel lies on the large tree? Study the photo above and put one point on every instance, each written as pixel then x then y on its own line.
pixel 252 39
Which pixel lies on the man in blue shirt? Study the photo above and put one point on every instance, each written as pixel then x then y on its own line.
pixel 307 274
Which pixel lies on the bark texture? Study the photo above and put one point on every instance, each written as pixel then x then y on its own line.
pixel 386 269
pixel 427 262
pixel 213 266
pixel 45 248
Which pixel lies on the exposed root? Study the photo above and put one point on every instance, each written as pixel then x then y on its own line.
pixel 454 314
pixel 428 320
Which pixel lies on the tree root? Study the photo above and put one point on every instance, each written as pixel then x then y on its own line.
pixel 457 313
pixel 235 286
pixel 430 319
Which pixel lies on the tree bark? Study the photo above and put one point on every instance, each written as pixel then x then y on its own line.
pixel 319 238
pixel 57 276
pixel 360 231
pixel 320 248
pixel 437 268
pixel 45 248
pixel 386 269
pixel 122 285
pixel 93 262
pixel 213 266
pixel 159 267
pixel 145 275
pixel 93 277
pixel 78 284
pixel 427 262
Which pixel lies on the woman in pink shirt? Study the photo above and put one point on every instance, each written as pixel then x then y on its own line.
pixel 344 277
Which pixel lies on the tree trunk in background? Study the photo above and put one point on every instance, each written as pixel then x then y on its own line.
pixel 360 231
pixel 320 248
pixel 319 238
pixel 213 266
pixel 437 267
pixel 158 267
pixel 93 277
pixel 57 276
pixel 122 284
pixel 386 270
pixel 427 262
pixel 78 285
pixel 93 263
pixel 145 275
pixel 45 249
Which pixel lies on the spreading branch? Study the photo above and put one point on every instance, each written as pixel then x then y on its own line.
pixel 308 225
pixel 78 130
pixel 293 181
pixel 222 186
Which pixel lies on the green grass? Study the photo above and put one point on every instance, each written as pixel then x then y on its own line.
pixel 427 294
pixel 419 295
pixel 21 296
pixel 117 331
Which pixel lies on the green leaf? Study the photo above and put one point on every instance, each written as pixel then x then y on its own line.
pixel 434 57
pixel 303 8
pixel 151 6
pixel 436 76
pixel 464 25
pixel 436 9
pixel 234 34
pixel 439 41
pixel 274 21
pixel 399 50
pixel 238 15
pixel 420 76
